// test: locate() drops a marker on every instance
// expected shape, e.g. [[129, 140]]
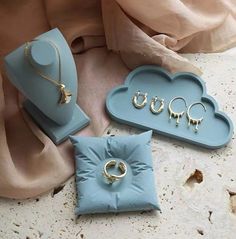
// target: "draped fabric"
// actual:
[[108, 38]]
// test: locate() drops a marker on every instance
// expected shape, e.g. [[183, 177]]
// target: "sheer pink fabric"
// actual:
[[107, 38]]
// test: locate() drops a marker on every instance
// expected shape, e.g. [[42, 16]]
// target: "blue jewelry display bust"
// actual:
[[57, 120]]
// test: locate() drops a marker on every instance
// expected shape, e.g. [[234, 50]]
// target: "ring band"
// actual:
[[113, 177]]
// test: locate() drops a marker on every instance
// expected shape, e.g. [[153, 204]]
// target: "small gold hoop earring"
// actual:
[[135, 100], [153, 103], [192, 120], [176, 115]]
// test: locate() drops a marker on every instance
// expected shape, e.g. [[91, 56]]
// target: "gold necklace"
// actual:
[[65, 95]]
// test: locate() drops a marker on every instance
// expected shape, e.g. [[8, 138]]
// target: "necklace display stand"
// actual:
[[57, 120]]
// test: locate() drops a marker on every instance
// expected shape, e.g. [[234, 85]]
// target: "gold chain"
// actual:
[[65, 94]]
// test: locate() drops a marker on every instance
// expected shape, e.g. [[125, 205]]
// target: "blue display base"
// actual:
[[135, 192], [216, 129], [57, 133]]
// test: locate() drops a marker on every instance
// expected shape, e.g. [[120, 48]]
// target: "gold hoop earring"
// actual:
[[192, 120], [153, 103], [135, 100], [176, 115]]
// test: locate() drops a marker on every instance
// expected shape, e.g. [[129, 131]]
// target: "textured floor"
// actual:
[[196, 187]]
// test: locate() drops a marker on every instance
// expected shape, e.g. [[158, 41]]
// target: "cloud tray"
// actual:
[[216, 129]]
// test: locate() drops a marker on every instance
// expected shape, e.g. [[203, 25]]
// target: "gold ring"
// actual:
[[112, 177]]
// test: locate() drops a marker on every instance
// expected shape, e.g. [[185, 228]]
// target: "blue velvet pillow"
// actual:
[[136, 191]]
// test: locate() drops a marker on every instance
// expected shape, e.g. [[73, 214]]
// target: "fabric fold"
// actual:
[[135, 46], [80, 21]]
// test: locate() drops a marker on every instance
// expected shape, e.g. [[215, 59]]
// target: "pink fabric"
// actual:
[[108, 38]]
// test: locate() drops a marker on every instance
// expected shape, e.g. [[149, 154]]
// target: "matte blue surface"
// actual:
[[216, 129], [43, 94], [136, 191], [42, 53], [57, 133]]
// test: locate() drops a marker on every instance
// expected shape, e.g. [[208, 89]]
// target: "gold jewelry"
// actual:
[[152, 105], [112, 177], [174, 114], [65, 95], [135, 100], [192, 120]]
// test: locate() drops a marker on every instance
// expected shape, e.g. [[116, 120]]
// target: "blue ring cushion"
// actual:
[[136, 191]]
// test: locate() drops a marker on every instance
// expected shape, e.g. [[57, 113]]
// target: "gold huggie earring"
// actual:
[[194, 121], [176, 115], [135, 100], [152, 106]]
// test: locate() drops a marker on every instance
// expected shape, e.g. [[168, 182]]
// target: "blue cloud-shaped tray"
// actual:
[[216, 129]]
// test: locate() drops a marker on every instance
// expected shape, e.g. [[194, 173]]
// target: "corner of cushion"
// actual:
[[156, 207], [77, 211], [147, 136], [148, 133], [154, 202], [73, 139]]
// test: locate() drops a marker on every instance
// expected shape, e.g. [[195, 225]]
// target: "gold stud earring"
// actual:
[[153, 103], [192, 120], [135, 100], [176, 115]]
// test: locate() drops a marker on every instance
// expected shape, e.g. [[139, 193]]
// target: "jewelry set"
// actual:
[[139, 104], [139, 101]]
